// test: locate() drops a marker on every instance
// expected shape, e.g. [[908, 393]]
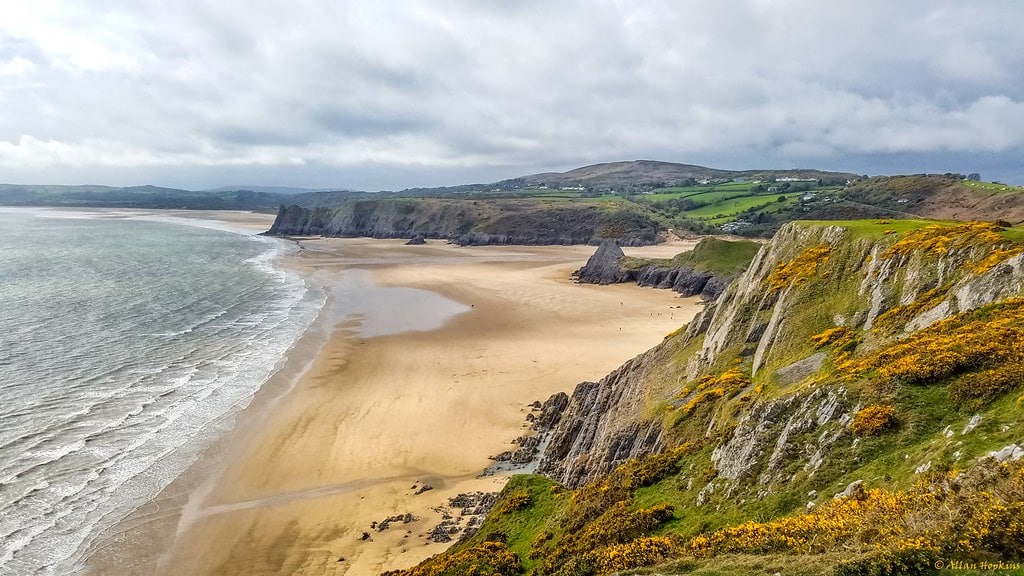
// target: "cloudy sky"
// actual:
[[389, 94]]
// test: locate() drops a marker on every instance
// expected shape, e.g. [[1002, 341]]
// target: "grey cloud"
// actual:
[[396, 94]]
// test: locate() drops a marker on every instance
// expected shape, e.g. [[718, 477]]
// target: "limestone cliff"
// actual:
[[469, 222], [809, 278]]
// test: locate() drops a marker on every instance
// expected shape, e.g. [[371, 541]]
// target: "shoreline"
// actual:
[[269, 498]]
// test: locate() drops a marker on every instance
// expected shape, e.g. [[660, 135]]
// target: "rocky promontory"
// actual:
[[706, 270]]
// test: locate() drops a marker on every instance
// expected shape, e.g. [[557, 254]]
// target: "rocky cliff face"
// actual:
[[472, 222], [602, 426], [808, 279], [686, 281]]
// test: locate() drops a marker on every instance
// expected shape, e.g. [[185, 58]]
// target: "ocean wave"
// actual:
[[133, 398]]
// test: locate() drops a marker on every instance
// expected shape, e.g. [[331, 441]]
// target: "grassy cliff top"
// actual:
[[875, 228], [720, 257]]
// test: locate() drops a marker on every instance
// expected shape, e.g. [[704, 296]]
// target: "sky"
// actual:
[[392, 94]]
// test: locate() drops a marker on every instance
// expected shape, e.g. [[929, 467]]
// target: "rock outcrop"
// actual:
[[705, 270], [602, 426], [686, 281], [771, 436], [603, 266]]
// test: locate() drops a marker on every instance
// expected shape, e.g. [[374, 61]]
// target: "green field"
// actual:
[[731, 189], [726, 209], [992, 186]]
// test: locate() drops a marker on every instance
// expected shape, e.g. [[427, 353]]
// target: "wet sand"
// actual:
[[360, 414]]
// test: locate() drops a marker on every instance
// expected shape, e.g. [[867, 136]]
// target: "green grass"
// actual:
[[521, 527], [673, 193], [1015, 234], [748, 564], [876, 228], [992, 186], [698, 192], [717, 256], [720, 257], [731, 207]]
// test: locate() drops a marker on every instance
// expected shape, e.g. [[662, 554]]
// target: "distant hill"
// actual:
[[283, 190], [136, 197], [944, 197], [752, 203], [639, 172]]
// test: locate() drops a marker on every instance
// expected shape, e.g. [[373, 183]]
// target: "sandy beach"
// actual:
[[355, 423]]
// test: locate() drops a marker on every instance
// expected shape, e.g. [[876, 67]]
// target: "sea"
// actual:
[[127, 345]]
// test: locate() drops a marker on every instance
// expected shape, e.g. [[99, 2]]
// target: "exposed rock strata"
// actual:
[[605, 424], [471, 223], [602, 427], [604, 267]]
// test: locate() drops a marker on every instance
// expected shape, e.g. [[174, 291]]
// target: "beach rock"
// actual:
[[416, 240], [550, 412], [424, 488], [403, 518], [472, 506], [603, 266]]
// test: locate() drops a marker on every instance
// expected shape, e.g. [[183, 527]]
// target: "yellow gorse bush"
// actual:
[[938, 240], [646, 551], [842, 340], [618, 525], [713, 387], [981, 510], [798, 270], [515, 500], [997, 255], [980, 353], [898, 316], [488, 559], [592, 500], [873, 419]]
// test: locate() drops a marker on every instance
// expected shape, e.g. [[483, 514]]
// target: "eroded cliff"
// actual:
[[470, 222]]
